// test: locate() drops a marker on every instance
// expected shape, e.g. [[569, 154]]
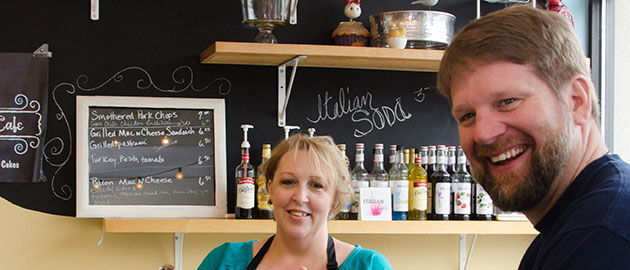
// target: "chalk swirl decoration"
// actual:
[[58, 150]]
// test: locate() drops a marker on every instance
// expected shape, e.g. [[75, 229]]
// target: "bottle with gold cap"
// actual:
[[264, 209]]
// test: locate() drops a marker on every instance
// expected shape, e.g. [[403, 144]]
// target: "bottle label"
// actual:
[[429, 198], [484, 205], [441, 160], [431, 159], [378, 157], [452, 160], [356, 186], [245, 193], [419, 199], [379, 184], [461, 197], [442, 198], [400, 190], [358, 158]]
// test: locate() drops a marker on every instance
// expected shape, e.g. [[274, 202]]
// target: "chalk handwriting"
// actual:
[[361, 110]]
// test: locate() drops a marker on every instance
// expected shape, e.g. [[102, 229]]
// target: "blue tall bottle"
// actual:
[[399, 184]]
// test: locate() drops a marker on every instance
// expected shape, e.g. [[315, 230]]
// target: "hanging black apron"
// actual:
[[332, 260]]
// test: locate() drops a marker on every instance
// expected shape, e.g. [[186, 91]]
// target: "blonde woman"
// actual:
[[308, 185]]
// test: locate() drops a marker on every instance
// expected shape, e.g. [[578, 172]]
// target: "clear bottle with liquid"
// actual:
[[360, 179], [392, 156], [378, 175]]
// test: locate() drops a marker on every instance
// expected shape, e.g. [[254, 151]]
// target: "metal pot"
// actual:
[[424, 29]]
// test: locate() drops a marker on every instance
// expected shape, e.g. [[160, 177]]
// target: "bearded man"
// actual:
[[528, 117]]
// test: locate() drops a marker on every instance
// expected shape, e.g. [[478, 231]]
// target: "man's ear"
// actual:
[[580, 99]]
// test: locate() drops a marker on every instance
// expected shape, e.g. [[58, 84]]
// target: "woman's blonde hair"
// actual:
[[521, 35], [324, 156]]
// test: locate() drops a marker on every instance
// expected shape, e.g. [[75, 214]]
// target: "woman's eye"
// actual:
[[287, 182], [317, 185], [465, 117]]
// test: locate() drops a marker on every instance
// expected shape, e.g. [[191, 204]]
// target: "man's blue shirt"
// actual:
[[589, 226]]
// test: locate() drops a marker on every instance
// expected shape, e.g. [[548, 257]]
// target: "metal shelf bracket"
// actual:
[[462, 252], [284, 93], [94, 10], [179, 249]]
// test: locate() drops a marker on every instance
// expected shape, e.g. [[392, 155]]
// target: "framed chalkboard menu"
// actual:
[[150, 157]]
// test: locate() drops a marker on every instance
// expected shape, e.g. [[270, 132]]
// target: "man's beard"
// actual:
[[535, 180]]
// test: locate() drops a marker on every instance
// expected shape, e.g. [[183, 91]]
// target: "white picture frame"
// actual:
[[85, 209]]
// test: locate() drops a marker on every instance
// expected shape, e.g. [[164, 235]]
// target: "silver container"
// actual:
[[424, 29]]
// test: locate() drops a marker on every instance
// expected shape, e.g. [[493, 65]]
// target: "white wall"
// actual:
[[621, 125]]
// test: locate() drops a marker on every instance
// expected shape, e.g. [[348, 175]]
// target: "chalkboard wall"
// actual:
[[151, 48]]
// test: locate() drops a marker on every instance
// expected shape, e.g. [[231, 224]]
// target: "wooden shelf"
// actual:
[[334, 227], [329, 56]]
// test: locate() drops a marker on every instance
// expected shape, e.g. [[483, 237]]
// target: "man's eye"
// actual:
[[507, 101]]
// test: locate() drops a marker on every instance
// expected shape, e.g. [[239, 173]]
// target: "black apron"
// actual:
[[332, 260]]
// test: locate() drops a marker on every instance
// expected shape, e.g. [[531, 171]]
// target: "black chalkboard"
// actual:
[[131, 152], [151, 48]]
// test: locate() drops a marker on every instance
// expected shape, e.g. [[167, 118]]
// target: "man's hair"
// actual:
[[324, 157], [522, 35]]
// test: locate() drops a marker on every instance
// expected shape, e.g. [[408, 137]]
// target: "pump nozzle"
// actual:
[[311, 132], [245, 127], [287, 129]]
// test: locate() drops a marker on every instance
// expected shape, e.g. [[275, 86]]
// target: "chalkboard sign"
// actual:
[[150, 157]]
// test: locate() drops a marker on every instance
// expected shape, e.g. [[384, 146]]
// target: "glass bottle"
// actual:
[[412, 158], [378, 175], [399, 184], [264, 208], [430, 168], [245, 188], [441, 181], [424, 151], [360, 179], [462, 189], [483, 206], [451, 156], [344, 214], [392, 155], [417, 191]]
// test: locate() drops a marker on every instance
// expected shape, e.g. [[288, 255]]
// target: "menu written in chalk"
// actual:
[[135, 155]]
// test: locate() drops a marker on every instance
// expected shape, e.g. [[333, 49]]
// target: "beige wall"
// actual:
[[33, 240]]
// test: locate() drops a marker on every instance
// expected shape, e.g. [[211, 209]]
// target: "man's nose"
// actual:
[[488, 127]]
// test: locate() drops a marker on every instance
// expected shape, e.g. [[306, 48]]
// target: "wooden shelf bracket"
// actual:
[[284, 93]]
